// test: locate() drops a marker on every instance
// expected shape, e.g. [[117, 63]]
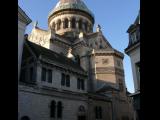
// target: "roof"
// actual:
[[71, 4], [135, 24], [53, 56], [137, 21], [23, 16]]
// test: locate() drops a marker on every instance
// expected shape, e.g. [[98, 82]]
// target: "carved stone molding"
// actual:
[[71, 12], [109, 70]]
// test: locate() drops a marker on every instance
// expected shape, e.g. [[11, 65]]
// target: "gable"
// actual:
[[99, 42], [27, 56]]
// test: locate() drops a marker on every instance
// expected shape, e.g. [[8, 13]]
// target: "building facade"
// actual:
[[133, 50], [23, 21], [69, 72]]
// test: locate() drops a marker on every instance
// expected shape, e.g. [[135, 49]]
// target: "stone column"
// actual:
[[69, 23], [92, 71], [56, 26], [63, 24], [77, 25]]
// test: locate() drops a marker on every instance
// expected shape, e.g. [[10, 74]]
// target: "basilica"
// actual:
[[70, 72]]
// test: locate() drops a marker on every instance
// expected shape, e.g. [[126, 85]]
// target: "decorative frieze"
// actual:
[[109, 70], [108, 53]]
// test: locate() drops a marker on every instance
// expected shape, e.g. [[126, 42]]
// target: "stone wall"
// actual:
[[135, 58], [37, 106], [21, 31]]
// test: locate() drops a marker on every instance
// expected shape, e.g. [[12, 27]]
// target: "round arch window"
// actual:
[[81, 109], [25, 118]]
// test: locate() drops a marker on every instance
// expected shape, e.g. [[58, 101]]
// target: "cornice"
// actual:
[[108, 53], [132, 47], [69, 11], [23, 17], [62, 67]]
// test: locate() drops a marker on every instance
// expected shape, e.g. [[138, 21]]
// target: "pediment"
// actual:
[[98, 41]]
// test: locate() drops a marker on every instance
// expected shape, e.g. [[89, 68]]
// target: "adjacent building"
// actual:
[[23, 21], [133, 50], [69, 72]]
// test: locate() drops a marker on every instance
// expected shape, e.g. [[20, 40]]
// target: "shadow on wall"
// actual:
[[103, 85], [25, 118]]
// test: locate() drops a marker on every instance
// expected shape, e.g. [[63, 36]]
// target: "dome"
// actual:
[[71, 4]]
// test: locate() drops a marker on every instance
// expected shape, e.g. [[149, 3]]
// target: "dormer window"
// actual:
[[133, 38]]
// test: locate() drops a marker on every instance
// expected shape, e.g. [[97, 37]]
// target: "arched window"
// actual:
[[67, 81], [53, 109], [125, 118], [77, 59], [53, 25], [73, 23], [81, 109], [90, 28], [59, 109], [25, 118], [100, 46], [59, 24], [86, 26], [80, 24], [98, 112], [91, 45], [66, 23]]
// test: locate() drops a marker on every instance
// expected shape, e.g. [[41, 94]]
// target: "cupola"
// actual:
[[70, 16]]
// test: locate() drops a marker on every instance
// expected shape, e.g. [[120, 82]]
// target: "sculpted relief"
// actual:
[[105, 61]]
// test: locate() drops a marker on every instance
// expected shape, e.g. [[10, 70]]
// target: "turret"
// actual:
[[69, 17]]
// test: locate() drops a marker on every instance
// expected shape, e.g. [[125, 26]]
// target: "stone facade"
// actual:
[[133, 50], [74, 66], [23, 21]]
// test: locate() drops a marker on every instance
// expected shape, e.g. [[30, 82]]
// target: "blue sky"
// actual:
[[114, 16]]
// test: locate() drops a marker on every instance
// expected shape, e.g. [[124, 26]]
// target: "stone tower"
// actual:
[[70, 17], [70, 26], [70, 34]]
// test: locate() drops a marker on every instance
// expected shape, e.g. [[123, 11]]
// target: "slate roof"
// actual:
[[53, 56], [137, 21], [135, 24]]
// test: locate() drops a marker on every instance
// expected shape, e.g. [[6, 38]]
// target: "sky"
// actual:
[[114, 17]]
